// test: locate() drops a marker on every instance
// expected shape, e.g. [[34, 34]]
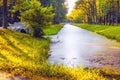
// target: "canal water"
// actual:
[[74, 46]]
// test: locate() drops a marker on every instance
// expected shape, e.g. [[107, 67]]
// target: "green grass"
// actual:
[[112, 32], [21, 54], [53, 29]]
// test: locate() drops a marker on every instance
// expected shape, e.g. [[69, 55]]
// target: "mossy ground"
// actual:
[[21, 54]]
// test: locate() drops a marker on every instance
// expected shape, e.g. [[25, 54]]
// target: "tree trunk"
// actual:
[[37, 32], [10, 14], [96, 15], [104, 20], [100, 20], [5, 22], [117, 11], [112, 12], [92, 10]]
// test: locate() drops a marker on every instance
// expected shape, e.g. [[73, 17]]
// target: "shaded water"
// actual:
[[74, 46]]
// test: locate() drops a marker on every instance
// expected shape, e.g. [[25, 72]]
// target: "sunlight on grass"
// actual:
[[111, 32], [20, 54], [53, 29]]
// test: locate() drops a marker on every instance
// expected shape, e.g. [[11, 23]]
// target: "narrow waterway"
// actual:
[[74, 46]]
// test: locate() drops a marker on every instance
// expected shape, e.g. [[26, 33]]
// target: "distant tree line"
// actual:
[[59, 9], [105, 12], [36, 13]]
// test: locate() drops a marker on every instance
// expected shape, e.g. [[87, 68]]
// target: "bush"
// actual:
[[36, 16]]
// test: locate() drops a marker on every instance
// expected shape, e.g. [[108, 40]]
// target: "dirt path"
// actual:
[[5, 76]]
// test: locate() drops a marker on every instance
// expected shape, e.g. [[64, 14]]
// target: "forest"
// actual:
[[84, 45], [44, 12], [105, 12]]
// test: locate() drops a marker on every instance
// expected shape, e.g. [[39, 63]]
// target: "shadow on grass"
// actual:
[[16, 48], [111, 76], [18, 37], [3, 57]]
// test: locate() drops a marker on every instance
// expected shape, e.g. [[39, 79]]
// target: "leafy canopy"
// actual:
[[36, 15], [33, 14]]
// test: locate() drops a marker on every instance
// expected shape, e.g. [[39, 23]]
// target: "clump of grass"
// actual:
[[111, 32], [21, 54]]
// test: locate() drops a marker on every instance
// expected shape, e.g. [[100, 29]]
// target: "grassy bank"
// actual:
[[111, 32], [53, 29], [20, 54]]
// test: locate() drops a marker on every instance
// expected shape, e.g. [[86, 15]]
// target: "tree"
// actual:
[[76, 16], [5, 23], [88, 9], [5, 7], [99, 11], [1, 2], [45, 3], [34, 15], [59, 9], [117, 11]]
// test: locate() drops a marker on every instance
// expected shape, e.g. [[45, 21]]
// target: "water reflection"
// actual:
[[74, 46]]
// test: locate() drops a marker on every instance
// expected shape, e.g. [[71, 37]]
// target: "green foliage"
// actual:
[[104, 7], [97, 11], [75, 16], [111, 32], [45, 3], [35, 15], [59, 9]]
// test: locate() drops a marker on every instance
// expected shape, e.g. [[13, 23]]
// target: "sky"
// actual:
[[71, 4]]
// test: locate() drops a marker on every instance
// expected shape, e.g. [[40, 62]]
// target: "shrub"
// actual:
[[35, 15]]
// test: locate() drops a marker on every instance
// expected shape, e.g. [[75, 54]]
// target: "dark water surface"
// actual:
[[74, 46]]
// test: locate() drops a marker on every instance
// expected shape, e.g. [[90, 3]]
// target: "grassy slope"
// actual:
[[112, 32], [23, 55]]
